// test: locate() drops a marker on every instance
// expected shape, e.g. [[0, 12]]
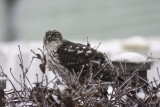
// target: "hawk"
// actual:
[[73, 56]]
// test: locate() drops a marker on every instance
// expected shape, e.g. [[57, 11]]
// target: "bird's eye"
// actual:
[[56, 35], [52, 34]]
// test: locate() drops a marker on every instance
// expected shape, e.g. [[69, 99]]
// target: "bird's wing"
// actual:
[[74, 55]]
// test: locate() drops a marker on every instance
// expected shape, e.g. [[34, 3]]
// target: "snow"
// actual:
[[56, 99], [70, 50], [27, 104], [70, 46], [124, 97], [110, 89], [84, 47], [131, 57], [140, 95], [88, 52], [79, 51], [77, 47], [158, 94], [97, 62]]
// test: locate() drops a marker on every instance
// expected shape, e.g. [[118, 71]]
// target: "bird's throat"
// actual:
[[52, 46]]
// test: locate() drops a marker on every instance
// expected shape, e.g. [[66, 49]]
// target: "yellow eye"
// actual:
[[56, 35]]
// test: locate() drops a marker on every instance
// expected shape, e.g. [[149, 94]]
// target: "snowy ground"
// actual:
[[9, 59]]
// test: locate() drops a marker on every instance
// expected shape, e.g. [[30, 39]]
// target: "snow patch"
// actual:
[[70, 50], [110, 89], [84, 47], [97, 62], [158, 94], [80, 51], [141, 95], [77, 47], [70, 46], [88, 52], [56, 99]]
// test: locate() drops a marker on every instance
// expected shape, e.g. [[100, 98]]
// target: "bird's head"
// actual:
[[53, 36], [52, 40]]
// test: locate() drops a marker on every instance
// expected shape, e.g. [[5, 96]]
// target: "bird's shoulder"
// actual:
[[79, 51]]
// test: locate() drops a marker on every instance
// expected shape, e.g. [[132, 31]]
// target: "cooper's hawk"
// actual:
[[73, 56]]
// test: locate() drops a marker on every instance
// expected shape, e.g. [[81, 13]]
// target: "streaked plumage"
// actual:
[[72, 56]]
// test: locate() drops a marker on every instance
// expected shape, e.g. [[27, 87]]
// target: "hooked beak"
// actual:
[[48, 38]]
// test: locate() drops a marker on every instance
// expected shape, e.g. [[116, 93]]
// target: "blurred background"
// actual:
[[29, 19], [120, 26]]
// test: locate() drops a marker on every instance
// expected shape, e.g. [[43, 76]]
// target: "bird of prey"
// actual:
[[73, 56]]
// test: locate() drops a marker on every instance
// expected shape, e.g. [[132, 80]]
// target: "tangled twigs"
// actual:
[[42, 58], [80, 91]]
